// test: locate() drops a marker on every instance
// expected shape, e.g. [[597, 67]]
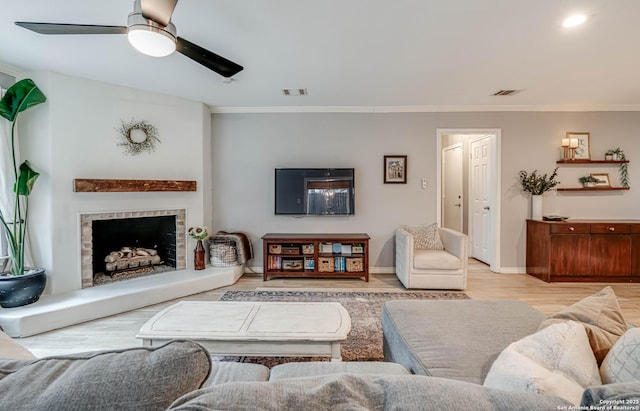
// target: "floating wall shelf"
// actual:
[[582, 162], [592, 188], [88, 185]]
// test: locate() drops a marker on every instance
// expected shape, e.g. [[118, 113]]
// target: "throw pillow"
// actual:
[[145, 378], [601, 316], [622, 363], [425, 237], [555, 361]]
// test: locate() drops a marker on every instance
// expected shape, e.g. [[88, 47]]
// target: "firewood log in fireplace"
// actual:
[[131, 257]]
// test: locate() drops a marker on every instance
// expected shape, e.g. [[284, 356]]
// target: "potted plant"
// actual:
[[19, 285], [618, 155], [537, 184], [588, 181], [608, 156]]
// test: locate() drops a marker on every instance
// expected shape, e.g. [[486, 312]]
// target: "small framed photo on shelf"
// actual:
[[579, 144], [603, 179], [395, 169]]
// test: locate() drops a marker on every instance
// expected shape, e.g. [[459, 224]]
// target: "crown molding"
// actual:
[[412, 109]]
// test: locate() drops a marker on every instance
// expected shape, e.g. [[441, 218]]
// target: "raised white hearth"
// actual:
[[61, 310]]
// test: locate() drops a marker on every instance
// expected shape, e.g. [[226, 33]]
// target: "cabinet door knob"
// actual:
[[571, 228], [611, 228]]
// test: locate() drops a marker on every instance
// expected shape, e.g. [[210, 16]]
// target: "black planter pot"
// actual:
[[16, 291]]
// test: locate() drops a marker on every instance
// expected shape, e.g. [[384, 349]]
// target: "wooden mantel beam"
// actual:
[[89, 185]]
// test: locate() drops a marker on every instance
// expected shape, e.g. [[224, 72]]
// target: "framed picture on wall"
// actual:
[[603, 179], [579, 141], [395, 169]]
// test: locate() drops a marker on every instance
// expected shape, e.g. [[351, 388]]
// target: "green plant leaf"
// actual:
[[19, 97], [26, 179]]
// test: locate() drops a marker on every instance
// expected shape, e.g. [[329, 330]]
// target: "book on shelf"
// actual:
[[274, 262], [339, 264], [309, 263], [326, 248]]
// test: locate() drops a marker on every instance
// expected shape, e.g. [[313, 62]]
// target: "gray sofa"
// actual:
[[450, 345]]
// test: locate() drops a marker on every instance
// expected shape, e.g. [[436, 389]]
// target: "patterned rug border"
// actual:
[[364, 342]]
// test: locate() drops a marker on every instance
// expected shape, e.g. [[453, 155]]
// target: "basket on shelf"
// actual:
[[223, 252], [325, 264]]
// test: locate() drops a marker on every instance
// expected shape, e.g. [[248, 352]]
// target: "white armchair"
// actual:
[[433, 269]]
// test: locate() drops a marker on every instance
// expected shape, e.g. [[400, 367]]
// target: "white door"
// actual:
[[481, 230], [452, 202]]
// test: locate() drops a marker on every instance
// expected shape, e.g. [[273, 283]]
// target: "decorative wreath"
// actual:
[[131, 145]]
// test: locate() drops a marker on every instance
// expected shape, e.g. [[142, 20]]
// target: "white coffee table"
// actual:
[[274, 329]]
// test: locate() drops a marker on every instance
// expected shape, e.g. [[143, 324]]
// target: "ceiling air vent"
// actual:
[[506, 92], [294, 91]]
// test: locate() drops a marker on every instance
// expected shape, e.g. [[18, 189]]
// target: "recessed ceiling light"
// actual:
[[575, 20]]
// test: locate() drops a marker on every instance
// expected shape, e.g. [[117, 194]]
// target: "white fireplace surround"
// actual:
[[86, 236]]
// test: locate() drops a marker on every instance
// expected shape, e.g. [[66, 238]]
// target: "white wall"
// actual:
[[247, 147], [74, 135]]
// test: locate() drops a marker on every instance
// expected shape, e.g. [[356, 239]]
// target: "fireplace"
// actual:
[[123, 245]]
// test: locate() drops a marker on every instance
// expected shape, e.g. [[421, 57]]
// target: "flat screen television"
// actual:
[[314, 191]]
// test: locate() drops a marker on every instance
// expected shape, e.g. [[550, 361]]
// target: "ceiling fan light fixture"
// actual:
[[149, 37]]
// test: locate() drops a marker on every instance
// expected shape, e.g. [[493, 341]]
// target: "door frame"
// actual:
[[495, 263]]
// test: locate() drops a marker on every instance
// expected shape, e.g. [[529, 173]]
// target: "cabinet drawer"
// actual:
[[568, 228], [609, 228]]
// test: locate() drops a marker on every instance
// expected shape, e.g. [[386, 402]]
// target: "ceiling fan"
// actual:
[[150, 30]]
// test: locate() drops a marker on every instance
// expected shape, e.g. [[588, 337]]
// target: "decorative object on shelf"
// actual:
[[137, 137], [588, 181], [537, 185], [566, 142], [608, 156], [618, 155], [19, 285], [199, 234], [603, 179], [579, 145], [395, 169]]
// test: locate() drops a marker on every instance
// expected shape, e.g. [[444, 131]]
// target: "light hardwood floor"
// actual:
[[119, 331]]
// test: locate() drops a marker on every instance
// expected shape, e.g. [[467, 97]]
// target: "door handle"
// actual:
[[486, 207], [457, 205]]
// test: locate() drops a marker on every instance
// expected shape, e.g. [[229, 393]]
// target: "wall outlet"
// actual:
[[424, 182]]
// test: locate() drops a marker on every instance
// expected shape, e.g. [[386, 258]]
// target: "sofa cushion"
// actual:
[[622, 363], [222, 372], [456, 339], [425, 236], [363, 392], [601, 316], [145, 378], [435, 260], [308, 369], [556, 360]]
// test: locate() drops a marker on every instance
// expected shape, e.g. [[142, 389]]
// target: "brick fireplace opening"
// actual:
[[123, 245]]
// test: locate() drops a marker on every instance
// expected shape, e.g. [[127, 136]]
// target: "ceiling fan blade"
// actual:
[[212, 61], [159, 11], [56, 28]]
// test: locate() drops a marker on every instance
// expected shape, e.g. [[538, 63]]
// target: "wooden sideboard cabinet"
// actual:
[[584, 250]]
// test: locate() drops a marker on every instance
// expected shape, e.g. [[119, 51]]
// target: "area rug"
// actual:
[[364, 342]]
